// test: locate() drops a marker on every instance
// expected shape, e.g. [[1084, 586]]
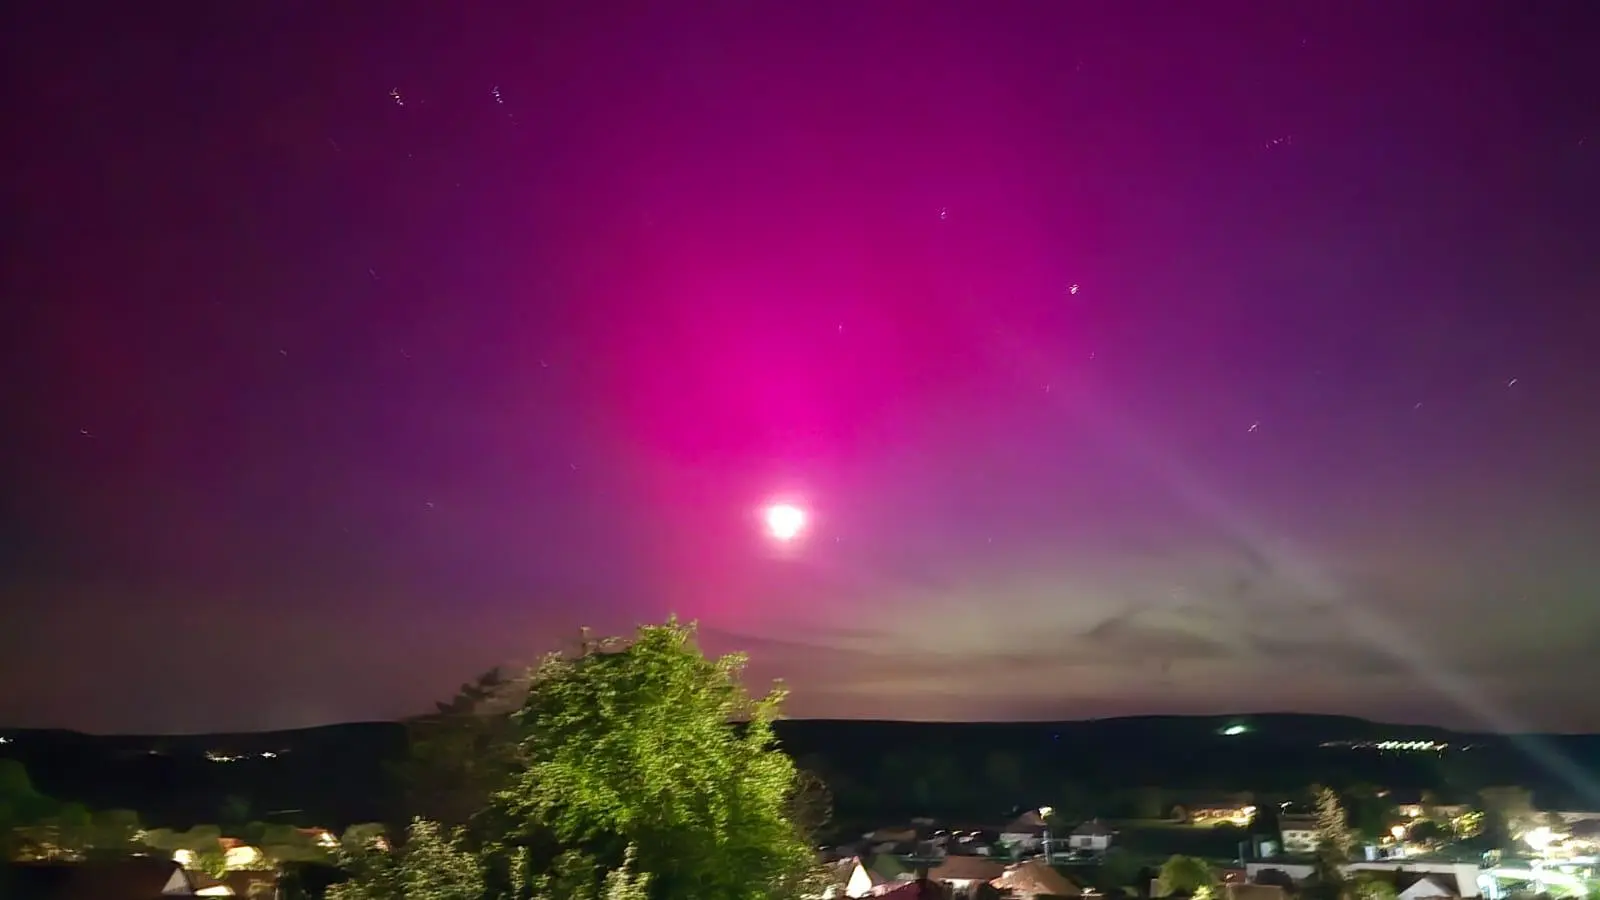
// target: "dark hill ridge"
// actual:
[[1297, 726], [338, 774]]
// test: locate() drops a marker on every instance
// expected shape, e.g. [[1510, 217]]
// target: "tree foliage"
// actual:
[[1185, 875], [1373, 886], [1276, 878], [1118, 870], [1369, 813], [462, 753], [651, 745], [1333, 831], [283, 844], [432, 864], [1427, 831], [36, 826], [1334, 843], [810, 804], [211, 860], [114, 830], [623, 883], [21, 807]]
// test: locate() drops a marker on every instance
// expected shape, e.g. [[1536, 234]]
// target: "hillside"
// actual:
[[340, 773]]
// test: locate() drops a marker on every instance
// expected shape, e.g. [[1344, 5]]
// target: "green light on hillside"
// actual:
[[1235, 730]]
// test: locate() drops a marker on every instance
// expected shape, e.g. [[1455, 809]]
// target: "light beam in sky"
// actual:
[[785, 521]]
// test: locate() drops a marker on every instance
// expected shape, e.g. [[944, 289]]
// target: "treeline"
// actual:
[[33, 823], [327, 777], [37, 827]]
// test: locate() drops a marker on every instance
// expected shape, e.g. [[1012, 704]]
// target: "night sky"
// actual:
[[1127, 358]]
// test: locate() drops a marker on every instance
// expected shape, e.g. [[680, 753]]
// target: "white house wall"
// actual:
[[1465, 874]]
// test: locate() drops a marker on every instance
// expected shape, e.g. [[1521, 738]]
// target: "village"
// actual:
[[1228, 846]]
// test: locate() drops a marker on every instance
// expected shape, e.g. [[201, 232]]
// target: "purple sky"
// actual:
[[346, 357]]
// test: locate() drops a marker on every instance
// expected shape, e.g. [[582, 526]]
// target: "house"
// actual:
[[246, 883], [1276, 872], [1200, 809], [1299, 834], [1461, 878], [1430, 887], [964, 873], [1033, 879], [1092, 836], [239, 855], [1026, 832], [887, 872], [848, 878], [920, 889], [1442, 812], [1415, 885], [891, 840], [1452, 879], [137, 878]]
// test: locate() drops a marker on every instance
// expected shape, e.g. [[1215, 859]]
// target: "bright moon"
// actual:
[[785, 521]]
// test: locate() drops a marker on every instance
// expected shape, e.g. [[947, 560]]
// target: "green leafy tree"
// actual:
[[363, 837], [21, 807], [1266, 822], [113, 833], [1505, 809], [1333, 831], [810, 804], [1373, 886], [1187, 876], [463, 752], [1118, 869], [654, 746], [202, 845], [1427, 831], [623, 884], [212, 861], [283, 844], [1370, 813], [1334, 843], [72, 829], [432, 864], [160, 840], [1510, 801], [63, 833]]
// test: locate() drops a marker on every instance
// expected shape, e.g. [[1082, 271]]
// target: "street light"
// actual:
[[1044, 816]]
